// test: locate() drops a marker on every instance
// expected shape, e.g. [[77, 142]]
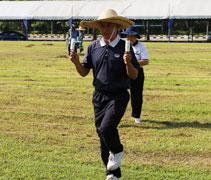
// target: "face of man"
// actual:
[[106, 30], [132, 38]]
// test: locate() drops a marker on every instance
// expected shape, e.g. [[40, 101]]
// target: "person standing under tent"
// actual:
[[72, 34], [80, 38], [137, 85], [112, 70]]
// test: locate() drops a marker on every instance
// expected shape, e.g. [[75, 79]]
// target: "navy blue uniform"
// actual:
[[110, 97]]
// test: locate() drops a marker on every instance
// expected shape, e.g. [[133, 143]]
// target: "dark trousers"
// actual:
[[109, 108], [136, 92]]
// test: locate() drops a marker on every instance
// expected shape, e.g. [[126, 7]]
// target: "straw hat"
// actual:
[[81, 28], [110, 16]]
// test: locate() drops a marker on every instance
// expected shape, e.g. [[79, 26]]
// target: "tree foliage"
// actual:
[[179, 27]]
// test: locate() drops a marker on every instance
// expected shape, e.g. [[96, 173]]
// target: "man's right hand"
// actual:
[[74, 57]]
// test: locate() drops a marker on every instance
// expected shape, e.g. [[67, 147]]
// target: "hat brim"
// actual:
[[81, 29], [122, 22], [124, 34]]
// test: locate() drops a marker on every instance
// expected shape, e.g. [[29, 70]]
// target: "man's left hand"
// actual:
[[127, 57]]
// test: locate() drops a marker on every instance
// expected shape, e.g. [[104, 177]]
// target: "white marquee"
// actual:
[[133, 9]]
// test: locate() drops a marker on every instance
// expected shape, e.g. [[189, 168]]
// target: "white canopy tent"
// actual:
[[53, 10], [88, 9], [147, 9], [18, 10], [64, 10], [133, 9], [92, 9], [190, 9], [38, 10]]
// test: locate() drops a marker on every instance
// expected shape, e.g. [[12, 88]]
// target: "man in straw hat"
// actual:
[[112, 70]]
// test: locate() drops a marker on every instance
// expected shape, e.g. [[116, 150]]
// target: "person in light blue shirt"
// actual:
[[72, 34], [81, 32]]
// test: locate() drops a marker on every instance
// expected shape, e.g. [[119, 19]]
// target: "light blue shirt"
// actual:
[[72, 35]]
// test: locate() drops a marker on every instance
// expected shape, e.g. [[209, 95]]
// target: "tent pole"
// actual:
[[162, 27], [26, 26], [94, 34], [51, 27], [170, 22], [148, 30], [34, 26], [207, 29], [63, 22], [188, 28], [70, 22]]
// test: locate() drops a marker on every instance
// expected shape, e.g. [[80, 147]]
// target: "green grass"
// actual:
[[47, 126]]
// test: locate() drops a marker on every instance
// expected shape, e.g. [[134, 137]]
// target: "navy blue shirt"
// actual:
[[109, 69]]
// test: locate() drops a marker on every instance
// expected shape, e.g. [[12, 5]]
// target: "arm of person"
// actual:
[[143, 62], [143, 59], [67, 37], [132, 72], [79, 67]]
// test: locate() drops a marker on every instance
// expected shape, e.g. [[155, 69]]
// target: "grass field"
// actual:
[[47, 126]]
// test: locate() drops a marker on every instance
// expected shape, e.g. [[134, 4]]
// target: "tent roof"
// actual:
[[132, 9], [190, 9], [18, 10], [92, 9], [148, 9], [39, 10]]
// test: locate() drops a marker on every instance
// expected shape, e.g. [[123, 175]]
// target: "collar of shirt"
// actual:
[[112, 44], [135, 43]]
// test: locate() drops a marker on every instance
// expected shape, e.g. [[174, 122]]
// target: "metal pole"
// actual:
[[170, 22], [26, 25], [51, 27]]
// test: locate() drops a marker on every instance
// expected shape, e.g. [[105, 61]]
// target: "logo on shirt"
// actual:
[[116, 55], [137, 52]]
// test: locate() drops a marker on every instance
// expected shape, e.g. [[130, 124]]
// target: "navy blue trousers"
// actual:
[[136, 92], [109, 108]]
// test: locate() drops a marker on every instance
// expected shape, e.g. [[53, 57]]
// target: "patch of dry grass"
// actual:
[[46, 115]]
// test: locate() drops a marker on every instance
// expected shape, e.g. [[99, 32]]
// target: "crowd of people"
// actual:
[[115, 71]]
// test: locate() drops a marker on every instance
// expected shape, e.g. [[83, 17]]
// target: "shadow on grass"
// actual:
[[155, 124]]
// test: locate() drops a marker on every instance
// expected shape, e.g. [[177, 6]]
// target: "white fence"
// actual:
[[60, 37]]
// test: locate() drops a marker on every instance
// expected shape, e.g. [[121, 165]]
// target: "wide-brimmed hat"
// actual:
[[132, 30], [110, 16], [81, 28]]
